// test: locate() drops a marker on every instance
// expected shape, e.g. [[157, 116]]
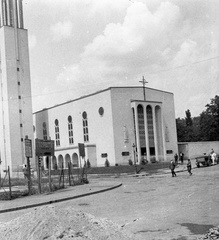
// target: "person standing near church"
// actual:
[[189, 167], [176, 158], [181, 155], [172, 168]]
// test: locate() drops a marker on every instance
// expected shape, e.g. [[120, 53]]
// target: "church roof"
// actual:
[[95, 93]]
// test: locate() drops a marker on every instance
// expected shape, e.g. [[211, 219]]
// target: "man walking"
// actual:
[[189, 167], [172, 167]]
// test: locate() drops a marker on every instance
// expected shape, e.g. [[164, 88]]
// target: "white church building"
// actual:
[[117, 123]]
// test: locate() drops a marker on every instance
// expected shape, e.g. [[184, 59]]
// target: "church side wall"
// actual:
[[123, 121], [99, 127], [169, 122]]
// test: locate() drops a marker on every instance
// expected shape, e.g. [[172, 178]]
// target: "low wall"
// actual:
[[194, 149]]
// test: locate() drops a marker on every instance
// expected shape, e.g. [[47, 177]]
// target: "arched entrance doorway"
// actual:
[[67, 160], [75, 160], [54, 163], [60, 162]]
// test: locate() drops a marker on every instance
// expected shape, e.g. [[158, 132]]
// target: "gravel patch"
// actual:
[[212, 234], [50, 223]]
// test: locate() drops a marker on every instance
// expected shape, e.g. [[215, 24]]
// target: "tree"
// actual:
[[186, 132], [202, 128], [181, 130], [209, 121], [188, 118]]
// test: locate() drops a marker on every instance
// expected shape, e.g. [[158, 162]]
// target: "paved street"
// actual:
[[156, 206], [161, 207]]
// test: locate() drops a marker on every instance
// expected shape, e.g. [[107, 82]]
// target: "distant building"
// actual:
[[16, 119], [115, 124]]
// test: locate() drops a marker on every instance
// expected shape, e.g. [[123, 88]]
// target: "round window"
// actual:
[[84, 115], [101, 111], [69, 119], [56, 122]]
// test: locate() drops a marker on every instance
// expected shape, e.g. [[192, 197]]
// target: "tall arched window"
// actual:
[[150, 130], [85, 127], [57, 136], [141, 126], [70, 130], [44, 131]]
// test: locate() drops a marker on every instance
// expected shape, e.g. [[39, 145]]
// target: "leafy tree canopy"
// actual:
[[202, 128]]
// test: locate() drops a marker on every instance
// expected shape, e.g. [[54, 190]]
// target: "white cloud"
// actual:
[[120, 41], [61, 30], [32, 41], [186, 53], [130, 47]]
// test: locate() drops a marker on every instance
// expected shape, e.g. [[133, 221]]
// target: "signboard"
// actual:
[[81, 150], [44, 147], [28, 148]]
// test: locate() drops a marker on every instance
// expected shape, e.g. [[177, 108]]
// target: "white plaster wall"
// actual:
[[195, 149], [14, 154], [105, 132], [99, 127], [122, 115]]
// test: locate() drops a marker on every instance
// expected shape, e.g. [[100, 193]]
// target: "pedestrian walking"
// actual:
[[176, 158], [172, 168], [25, 171], [189, 167]]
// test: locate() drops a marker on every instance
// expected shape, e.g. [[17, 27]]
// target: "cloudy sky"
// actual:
[[81, 46]]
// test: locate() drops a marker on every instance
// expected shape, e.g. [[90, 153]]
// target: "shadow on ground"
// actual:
[[197, 228]]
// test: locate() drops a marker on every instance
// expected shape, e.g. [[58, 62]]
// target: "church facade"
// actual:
[[119, 124]]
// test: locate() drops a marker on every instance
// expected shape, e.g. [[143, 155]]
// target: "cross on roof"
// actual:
[[143, 83]]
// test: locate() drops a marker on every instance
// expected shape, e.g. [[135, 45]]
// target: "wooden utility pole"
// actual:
[[143, 83], [29, 175], [39, 173], [50, 186], [9, 181]]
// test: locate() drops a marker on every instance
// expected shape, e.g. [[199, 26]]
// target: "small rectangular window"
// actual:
[[104, 155], [169, 151], [125, 153]]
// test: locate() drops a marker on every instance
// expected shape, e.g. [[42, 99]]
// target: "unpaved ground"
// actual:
[[156, 207], [52, 223]]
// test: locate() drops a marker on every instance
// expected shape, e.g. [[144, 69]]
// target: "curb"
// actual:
[[58, 200]]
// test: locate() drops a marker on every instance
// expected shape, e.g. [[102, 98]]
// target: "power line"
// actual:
[[165, 70], [186, 65]]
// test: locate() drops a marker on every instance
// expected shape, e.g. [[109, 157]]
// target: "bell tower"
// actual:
[[16, 120]]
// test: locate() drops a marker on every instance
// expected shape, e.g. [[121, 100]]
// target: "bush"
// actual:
[[144, 161], [88, 163], [107, 164], [130, 162]]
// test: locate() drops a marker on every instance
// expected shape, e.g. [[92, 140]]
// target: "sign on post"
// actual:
[[28, 148], [44, 147], [81, 150]]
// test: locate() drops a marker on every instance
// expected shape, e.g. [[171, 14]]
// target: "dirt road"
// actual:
[[157, 206]]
